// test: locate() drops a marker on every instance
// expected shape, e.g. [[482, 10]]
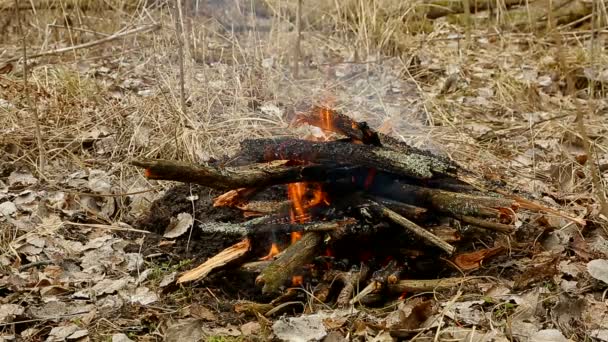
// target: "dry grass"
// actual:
[[504, 104]]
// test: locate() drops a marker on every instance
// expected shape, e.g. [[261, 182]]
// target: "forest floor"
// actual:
[[526, 108]]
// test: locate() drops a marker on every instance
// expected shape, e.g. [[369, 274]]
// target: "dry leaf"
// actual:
[[472, 261], [598, 269], [178, 226]]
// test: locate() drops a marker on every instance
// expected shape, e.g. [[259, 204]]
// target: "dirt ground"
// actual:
[[83, 255]]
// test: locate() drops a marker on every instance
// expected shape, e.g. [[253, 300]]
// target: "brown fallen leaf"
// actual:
[[472, 261], [6, 68]]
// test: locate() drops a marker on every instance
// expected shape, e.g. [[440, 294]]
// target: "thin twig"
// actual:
[[32, 104], [180, 52], [296, 49], [107, 226], [141, 29]]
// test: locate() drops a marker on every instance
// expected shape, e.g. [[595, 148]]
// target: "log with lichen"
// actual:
[[332, 153], [289, 263]]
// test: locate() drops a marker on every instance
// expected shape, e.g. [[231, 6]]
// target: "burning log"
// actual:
[[359, 132], [415, 165], [290, 262]]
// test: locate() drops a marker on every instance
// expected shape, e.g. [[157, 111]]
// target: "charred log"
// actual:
[[415, 165]]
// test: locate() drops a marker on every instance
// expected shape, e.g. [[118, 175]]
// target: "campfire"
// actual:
[[364, 214]]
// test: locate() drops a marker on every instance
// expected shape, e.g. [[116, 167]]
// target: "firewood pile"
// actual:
[[365, 215]]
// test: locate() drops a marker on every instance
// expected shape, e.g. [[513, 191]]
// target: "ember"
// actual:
[[364, 210]]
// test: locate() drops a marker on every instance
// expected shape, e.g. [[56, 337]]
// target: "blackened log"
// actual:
[[415, 165], [224, 178], [289, 263]]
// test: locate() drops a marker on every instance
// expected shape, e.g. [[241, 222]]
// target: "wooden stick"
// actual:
[[289, 263], [412, 227], [262, 225], [118, 35], [350, 280], [32, 102], [423, 285], [495, 226], [226, 256], [406, 210], [296, 48], [371, 287], [537, 207], [224, 178]]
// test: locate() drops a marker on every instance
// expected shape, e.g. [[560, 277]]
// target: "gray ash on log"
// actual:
[[364, 209]]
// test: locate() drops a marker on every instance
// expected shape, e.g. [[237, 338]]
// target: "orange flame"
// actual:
[[297, 280], [296, 192], [326, 123], [300, 204], [274, 250], [295, 236]]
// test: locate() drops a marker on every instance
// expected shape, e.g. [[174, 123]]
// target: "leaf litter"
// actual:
[[483, 107]]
